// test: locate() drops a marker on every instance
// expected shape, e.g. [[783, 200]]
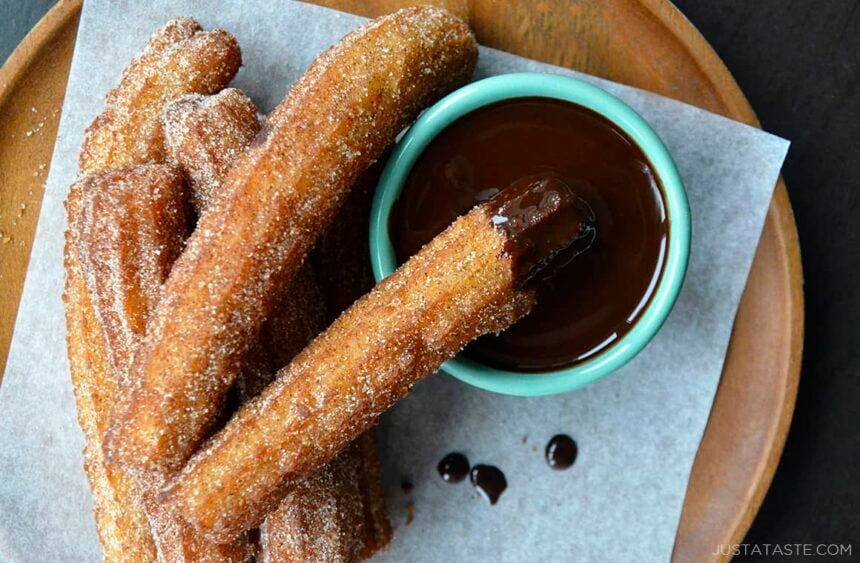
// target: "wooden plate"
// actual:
[[644, 43]]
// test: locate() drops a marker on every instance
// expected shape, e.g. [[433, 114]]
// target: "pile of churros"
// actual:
[[224, 420]]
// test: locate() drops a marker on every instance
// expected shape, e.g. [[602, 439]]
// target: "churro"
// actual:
[[341, 259], [338, 514], [279, 198], [205, 134], [178, 59], [469, 281], [128, 226], [121, 521], [132, 227]]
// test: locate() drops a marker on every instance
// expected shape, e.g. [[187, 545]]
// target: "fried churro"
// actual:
[[341, 259], [339, 513], [467, 282], [178, 59], [132, 227], [336, 514], [205, 134], [121, 521], [279, 197]]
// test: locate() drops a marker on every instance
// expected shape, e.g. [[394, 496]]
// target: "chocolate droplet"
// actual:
[[490, 482], [453, 468], [561, 451]]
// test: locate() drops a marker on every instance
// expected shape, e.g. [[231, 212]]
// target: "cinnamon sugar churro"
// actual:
[[178, 59], [205, 134], [281, 195], [468, 281], [341, 258], [121, 521], [338, 514], [132, 227]]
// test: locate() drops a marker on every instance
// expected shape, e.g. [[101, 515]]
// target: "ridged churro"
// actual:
[[178, 59], [339, 513], [467, 282], [129, 225], [121, 520], [336, 514], [205, 134], [282, 194], [132, 227]]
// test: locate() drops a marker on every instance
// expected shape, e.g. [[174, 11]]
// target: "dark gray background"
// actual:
[[798, 61]]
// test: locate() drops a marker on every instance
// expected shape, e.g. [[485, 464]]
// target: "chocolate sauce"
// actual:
[[561, 452], [490, 482], [585, 304], [453, 468]]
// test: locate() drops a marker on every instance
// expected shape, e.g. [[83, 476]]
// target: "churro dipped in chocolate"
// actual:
[[178, 59], [470, 280], [278, 198], [338, 513]]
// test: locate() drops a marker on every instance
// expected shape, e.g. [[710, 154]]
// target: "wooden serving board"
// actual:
[[643, 43]]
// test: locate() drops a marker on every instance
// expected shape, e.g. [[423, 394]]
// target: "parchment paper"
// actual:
[[637, 430]]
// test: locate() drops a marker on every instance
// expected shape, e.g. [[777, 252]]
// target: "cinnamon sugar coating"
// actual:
[[339, 513], [121, 520], [279, 197], [132, 227], [460, 286], [205, 134], [179, 59]]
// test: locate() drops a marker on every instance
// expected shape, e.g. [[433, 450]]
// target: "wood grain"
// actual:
[[32, 88], [644, 43]]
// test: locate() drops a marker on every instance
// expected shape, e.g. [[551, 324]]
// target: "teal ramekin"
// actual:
[[497, 88]]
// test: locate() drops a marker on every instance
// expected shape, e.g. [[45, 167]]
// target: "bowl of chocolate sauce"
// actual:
[[599, 304]]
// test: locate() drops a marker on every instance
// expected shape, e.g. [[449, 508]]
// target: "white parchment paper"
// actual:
[[637, 430]]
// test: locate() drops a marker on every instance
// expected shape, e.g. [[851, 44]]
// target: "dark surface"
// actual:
[[17, 17], [798, 61]]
